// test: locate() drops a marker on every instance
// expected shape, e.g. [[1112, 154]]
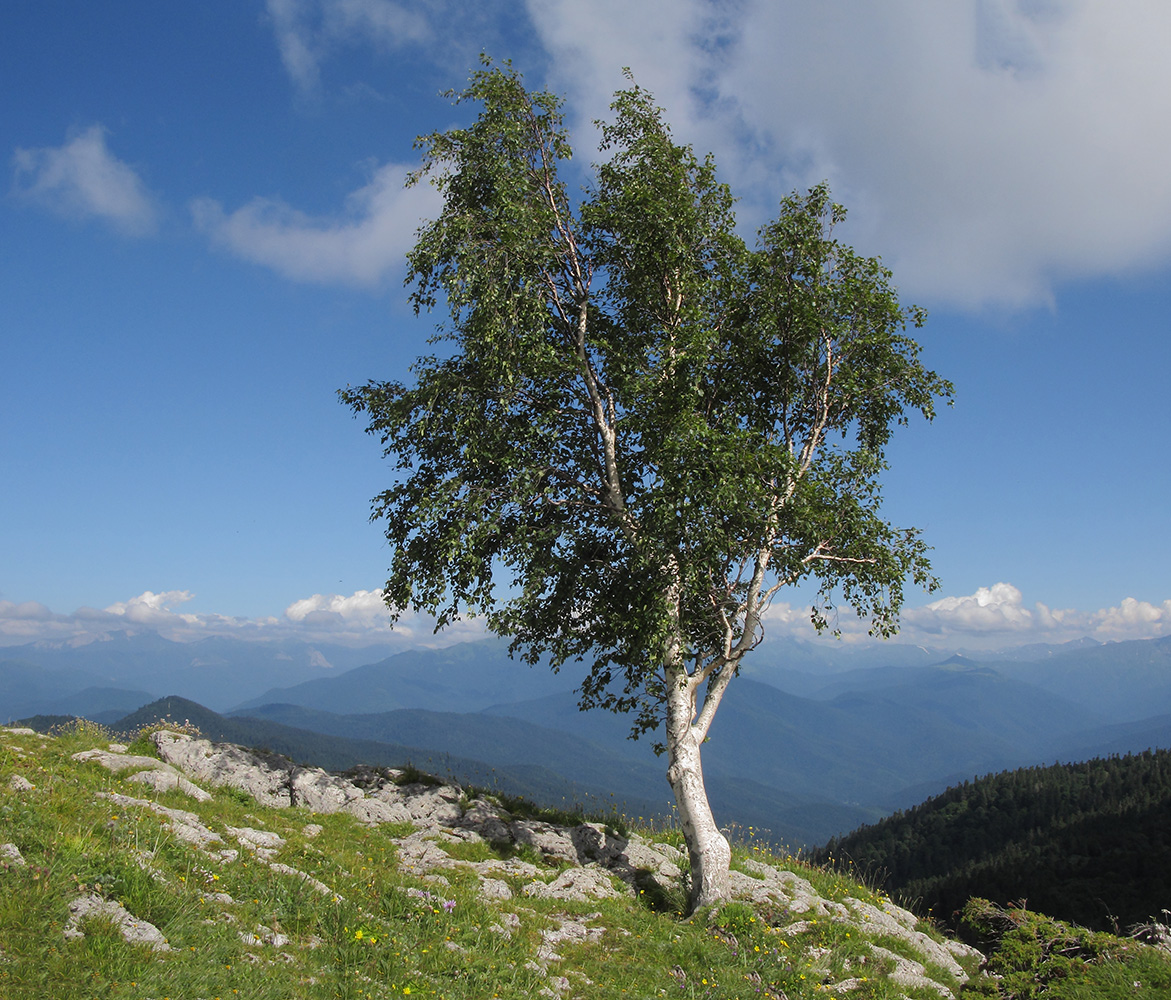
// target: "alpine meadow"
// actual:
[[636, 429]]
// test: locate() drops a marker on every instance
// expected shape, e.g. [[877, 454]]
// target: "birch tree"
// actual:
[[637, 429]]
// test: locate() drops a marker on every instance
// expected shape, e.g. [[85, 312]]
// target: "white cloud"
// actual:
[[364, 612], [361, 246], [362, 605], [149, 608], [1133, 619], [998, 614], [83, 179], [25, 611], [308, 30], [991, 609], [358, 619], [992, 618], [988, 149]]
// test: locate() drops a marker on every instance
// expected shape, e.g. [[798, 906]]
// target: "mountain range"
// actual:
[[804, 754]]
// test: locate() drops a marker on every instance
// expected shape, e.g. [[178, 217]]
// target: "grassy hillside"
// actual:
[[103, 898], [1088, 842]]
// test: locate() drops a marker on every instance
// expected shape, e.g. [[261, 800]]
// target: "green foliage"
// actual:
[[1089, 842], [1033, 956], [411, 775], [638, 428]]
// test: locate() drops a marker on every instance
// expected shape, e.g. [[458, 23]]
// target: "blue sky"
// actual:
[[203, 232]]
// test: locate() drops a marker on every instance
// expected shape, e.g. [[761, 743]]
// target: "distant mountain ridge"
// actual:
[[466, 677], [802, 755], [219, 671], [1126, 681]]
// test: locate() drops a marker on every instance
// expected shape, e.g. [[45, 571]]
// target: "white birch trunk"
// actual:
[[707, 848]]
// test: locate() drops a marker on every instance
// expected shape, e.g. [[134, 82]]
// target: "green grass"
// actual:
[[1034, 956], [379, 933]]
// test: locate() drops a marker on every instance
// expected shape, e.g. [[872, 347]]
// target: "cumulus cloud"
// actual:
[[993, 617], [991, 609], [365, 612], [308, 30], [361, 246], [987, 149], [358, 619], [1000, 614], [83, 179], [362, 605], [149, 608]]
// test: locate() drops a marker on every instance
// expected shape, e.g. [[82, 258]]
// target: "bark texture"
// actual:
[[708, 849]]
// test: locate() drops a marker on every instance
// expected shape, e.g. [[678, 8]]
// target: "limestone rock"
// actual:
[[418, 856], [494, 888], [376, 810], [552, 841], [264, 936], [185, 825], [114, 761], [308, 879], [10, 856], [267, 778], [321, 792], [165, 781], [133, 930], [899, 923], [570, 929], [787, 888], [488, 820], [159, 775], [910, 973], [577, 884], [277, 782], [263, 843], [437, 804]]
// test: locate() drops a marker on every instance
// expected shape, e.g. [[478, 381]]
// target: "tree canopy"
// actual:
[[636, 429]]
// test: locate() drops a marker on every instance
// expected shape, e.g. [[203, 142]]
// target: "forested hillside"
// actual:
[[1088, 842]]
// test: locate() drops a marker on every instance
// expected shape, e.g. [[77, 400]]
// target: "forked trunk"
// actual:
[[707, 848]]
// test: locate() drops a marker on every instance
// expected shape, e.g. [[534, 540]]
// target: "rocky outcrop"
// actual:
[[582, 863], [373, 795], [186, 826], [10, 856], [150, 771], [133, 930]]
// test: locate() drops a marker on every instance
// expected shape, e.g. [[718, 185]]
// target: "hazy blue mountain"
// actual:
[[461, 678], [219, 671], [28, 689], [826, 686], [1122, 681], [1034, 651], [779, 656], [804, 752], [1119, 738], [101, 704], [859, 748]]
